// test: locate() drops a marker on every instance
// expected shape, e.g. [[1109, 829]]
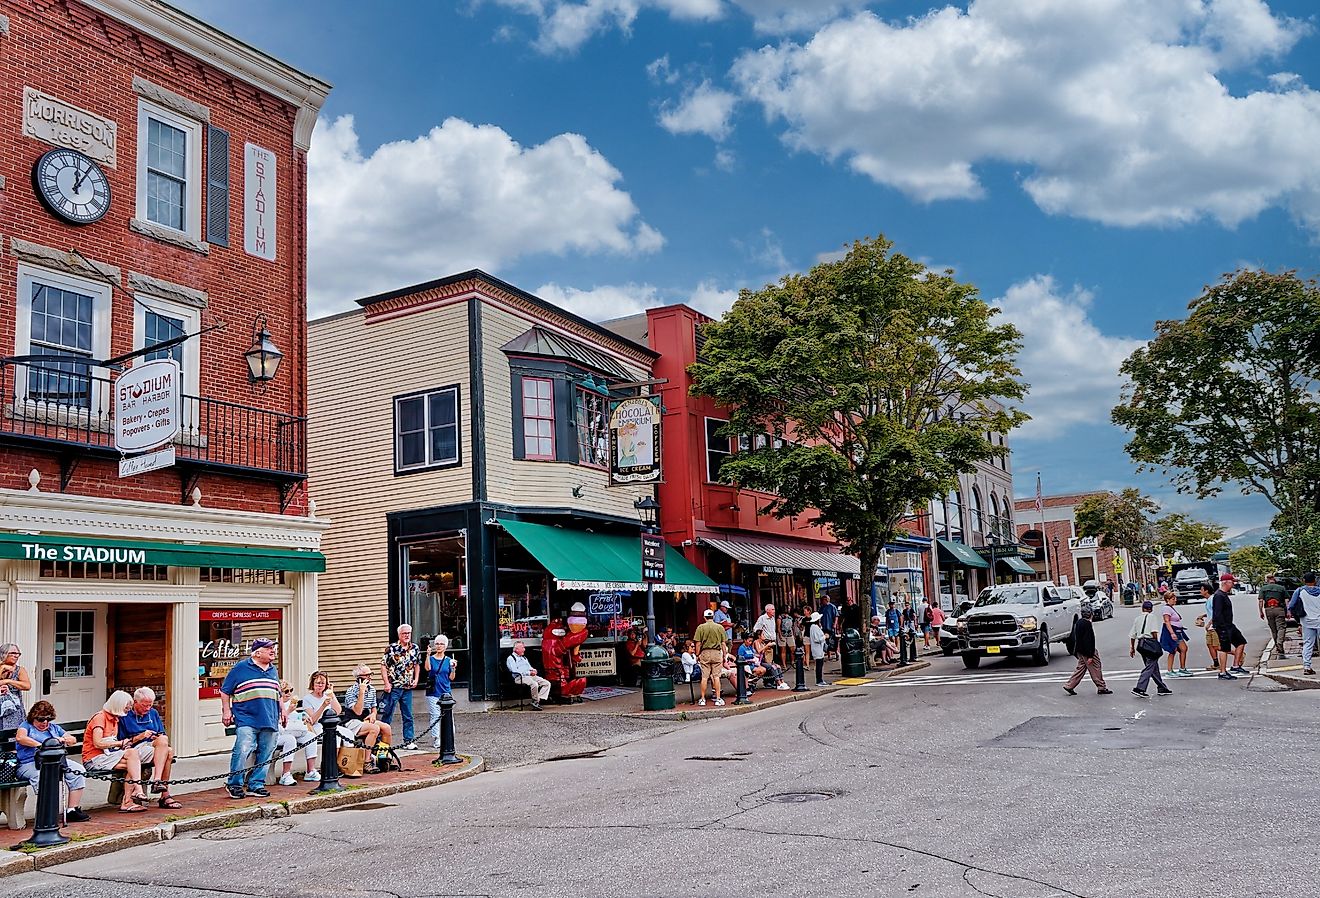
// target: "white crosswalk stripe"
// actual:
[[1029, 678]]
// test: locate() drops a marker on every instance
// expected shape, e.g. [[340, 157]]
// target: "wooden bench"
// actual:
[[511, 689], [13, 791]]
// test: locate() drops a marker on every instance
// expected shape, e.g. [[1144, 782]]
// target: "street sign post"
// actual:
[[653, 558]]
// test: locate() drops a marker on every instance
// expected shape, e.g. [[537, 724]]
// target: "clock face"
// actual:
[[72, 186]]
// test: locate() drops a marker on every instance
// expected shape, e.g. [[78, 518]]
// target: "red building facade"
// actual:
[[152, 191]]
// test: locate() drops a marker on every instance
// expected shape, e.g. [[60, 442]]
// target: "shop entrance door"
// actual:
[[71, 660]]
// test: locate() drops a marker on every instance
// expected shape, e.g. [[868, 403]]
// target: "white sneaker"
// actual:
[[410, 746], [783, 687], [288, 780], [312, 776], [702, 701], [719, 701]]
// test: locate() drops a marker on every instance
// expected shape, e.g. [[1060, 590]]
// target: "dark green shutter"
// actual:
[[217, 186]]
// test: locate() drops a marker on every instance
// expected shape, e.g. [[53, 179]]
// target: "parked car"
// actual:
[[949, 630], [1091, 595], [1188, 577], [1017, 619]]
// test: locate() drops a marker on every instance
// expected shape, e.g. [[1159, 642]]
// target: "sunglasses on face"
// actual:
[[42, 719]]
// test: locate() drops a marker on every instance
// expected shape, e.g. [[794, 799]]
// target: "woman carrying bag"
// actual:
[[816, 635], [1145, 638]]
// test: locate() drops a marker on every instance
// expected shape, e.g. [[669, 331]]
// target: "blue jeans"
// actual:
[[250, 741], [1310, 635], [433, 705], [385, 710]]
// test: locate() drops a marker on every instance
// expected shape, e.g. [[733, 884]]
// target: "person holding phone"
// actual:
[[142, 723], [40, 726], [315, 703], [360, 710], [442, 670]]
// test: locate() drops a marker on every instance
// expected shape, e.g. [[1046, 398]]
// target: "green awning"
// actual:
[[961, 554], [51, 547], [1017, 565], [601, 561]]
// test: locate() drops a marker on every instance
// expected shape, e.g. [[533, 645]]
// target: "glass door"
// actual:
[[71, 668], [437, 596]]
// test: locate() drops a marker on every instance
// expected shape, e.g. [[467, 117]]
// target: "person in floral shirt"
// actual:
[[398, 670]]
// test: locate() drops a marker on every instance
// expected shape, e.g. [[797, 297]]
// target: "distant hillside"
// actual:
[[1250, 537]]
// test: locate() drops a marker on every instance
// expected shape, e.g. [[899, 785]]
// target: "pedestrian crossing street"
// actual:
[[1057, 675]]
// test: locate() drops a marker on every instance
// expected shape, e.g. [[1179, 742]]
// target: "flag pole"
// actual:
[[1044, 538]]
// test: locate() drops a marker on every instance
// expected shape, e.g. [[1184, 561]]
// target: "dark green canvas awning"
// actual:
[[1017, 565], [960, 554], [51, 547], [601, 561]]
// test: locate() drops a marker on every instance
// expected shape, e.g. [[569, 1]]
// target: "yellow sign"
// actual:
[[1118, 565]]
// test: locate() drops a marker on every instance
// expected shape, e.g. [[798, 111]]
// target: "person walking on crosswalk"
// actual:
[[1145, 638], [1088, 657]]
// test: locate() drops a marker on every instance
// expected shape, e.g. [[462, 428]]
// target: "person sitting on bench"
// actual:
[[143, 723], [104, 750], [524, 674], [360, 710]]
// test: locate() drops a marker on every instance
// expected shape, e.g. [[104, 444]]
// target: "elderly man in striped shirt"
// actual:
[[250, 700]]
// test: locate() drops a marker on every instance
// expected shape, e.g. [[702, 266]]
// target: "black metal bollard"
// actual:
[[741, 698], [329, 753], [46, 826], [447, 755], [799, 654]]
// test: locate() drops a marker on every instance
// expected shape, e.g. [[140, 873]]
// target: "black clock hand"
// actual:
[[82, 176]]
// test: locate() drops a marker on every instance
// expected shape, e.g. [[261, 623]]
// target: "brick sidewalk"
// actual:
[[1287, 671]]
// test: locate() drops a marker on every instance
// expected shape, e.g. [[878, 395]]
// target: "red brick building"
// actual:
[[1072, 559], [152, 189], [756, 558]]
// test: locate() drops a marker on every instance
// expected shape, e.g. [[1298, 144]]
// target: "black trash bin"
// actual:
[[657, 680], [853, 654]]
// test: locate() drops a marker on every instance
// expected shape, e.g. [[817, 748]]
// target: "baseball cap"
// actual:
[[708, 613], [1147, 605], [1224, 577], [262, 644], [724, 604]]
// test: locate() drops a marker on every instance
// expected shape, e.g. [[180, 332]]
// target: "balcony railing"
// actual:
[[63, 405]]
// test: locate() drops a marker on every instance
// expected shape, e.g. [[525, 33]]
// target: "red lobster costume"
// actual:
[[559, 654]]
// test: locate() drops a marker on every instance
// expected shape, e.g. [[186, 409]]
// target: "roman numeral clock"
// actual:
[[71, 186]]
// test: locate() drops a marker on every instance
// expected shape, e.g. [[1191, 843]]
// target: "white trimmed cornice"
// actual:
[[226, 53], [90, 516]]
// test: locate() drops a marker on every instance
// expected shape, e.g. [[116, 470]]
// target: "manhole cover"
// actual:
[[257, 830], [365, 806], [800, 797]]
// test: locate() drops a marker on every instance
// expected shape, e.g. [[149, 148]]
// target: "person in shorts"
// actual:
[[711, 651], [103, 750], [1232, 644]]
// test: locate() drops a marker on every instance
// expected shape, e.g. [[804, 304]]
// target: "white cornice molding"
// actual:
[[90, 516], [194, 37]]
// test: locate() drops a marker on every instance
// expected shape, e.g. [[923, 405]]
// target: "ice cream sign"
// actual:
[[635, 440], [147, 406]]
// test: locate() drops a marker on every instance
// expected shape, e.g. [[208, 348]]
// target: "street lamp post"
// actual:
[[648, 512], [1057, 569]]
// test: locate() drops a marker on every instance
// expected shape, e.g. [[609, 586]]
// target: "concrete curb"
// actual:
[[1289, 679], [692, 712], [17, 863]]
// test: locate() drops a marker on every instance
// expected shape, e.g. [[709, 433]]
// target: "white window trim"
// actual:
[[429, 462], [705, 438], [100, 293], [192, 320], [193, 187]]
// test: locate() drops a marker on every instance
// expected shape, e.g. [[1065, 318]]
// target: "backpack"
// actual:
[[386, 758]]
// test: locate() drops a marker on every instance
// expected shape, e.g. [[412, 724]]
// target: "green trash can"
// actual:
[[657, 680], [853, 654]]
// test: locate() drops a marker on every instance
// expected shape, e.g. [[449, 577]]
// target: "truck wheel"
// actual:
[[1042, 654], [971, 662], [948, 650]]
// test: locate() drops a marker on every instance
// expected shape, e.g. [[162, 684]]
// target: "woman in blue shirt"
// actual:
[[442, 669], [40, 726]]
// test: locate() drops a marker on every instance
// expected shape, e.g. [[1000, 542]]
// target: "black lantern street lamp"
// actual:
[[1058, 575], [264, 358], [648, 512]]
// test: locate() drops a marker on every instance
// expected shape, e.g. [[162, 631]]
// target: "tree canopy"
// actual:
[[865, 386], [1231, 394], [1119, 521], [1254, 563], [1195, 539]]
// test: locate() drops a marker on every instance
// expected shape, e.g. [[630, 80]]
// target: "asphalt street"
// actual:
[[985, 783]]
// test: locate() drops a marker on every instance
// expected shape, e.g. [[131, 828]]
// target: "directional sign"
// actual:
[[653, 558]]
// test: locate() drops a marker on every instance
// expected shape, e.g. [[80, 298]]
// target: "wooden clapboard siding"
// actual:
[[354, 371], [137, 655], [539, 484]]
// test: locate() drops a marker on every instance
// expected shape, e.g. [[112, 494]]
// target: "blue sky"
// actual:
[[1088, 164]]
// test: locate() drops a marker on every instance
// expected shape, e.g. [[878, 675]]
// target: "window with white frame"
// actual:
[[538, 413], [160, 320], [718, 449], [61, 315], [426, 430], [169, 170]]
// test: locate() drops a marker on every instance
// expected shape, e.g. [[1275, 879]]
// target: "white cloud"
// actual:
[[660, 71], [603, 302], [457, 197], [781, 16], [1113, 108], [725, 160], [766, 250], [703, 110], [1071, 365]]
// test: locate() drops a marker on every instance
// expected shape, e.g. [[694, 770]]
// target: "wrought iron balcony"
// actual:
[[61, 407]]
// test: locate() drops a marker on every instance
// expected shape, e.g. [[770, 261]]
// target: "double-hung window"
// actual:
[[158, 321], [169, 183], [718, 448], [426, 430], [61, 315], [538, 413]]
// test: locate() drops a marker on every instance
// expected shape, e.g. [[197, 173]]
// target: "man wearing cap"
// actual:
[[1145, 634], [724, 618], [250, 701], [711, 651], [1231, 640]]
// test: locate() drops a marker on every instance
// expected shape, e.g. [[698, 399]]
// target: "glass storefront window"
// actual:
[[225, 638], [437, 595]]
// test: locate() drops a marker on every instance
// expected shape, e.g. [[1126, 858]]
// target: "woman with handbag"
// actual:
[[1173, 635], [1145, 638]]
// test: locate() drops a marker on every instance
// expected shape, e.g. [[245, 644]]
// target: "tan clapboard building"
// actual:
[[458, 440]]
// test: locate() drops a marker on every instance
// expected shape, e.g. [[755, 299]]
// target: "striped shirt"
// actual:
[[255, 695]]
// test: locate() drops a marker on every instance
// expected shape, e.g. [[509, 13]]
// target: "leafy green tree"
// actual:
[[1231, 395], [1295, 542], [1195, 539], [875, 383], [1120, 521], [1253, 563]]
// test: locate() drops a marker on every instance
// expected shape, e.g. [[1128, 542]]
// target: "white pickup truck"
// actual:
[[1017, 619]]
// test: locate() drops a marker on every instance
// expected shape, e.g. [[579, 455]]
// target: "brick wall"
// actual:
[[89, 60]]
